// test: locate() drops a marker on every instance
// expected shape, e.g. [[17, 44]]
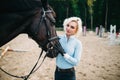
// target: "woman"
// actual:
[[73, 48]]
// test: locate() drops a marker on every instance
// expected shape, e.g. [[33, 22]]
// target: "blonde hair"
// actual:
[[79, 23]]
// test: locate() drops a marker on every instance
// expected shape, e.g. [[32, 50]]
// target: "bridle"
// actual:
[[49, 44], [49, 34], [50, 39]]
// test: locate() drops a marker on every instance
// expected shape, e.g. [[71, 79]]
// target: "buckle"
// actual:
[[65, 70]]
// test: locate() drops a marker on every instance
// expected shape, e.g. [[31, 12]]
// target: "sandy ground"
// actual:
[[99, 61]]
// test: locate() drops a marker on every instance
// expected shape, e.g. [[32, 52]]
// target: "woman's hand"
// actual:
[[66, 56]]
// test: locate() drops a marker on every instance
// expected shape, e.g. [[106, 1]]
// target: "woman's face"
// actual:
[[71, 28]]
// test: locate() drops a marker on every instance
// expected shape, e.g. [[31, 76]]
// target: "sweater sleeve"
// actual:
[[74, 60]]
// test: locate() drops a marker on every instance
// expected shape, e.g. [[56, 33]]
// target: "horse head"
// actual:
[[43, 30]]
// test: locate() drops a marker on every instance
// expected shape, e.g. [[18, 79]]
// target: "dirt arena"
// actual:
[[99, 61]]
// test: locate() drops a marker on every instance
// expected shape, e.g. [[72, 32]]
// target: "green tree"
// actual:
[[64, 9], [75, 7], [90, 5], [92, 12], [99, 13]]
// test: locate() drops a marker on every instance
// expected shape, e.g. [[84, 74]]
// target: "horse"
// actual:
[[33, 17]]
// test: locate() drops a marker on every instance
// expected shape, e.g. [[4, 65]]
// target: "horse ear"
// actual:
[[44, 3]]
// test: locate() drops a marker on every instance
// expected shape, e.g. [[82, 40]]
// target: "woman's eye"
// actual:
[[72, 27], [67, 25]]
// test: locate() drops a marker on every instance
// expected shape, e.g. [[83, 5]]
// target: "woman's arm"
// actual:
[[74, 60]]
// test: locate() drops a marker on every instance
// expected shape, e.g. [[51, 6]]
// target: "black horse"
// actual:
[[33, 17]]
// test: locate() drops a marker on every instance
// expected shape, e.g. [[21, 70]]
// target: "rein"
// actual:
[[26, 76]]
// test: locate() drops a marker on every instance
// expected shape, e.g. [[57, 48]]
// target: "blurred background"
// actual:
[[92, 12]]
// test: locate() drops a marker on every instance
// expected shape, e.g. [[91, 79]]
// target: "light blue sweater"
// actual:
[[73, 48]]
